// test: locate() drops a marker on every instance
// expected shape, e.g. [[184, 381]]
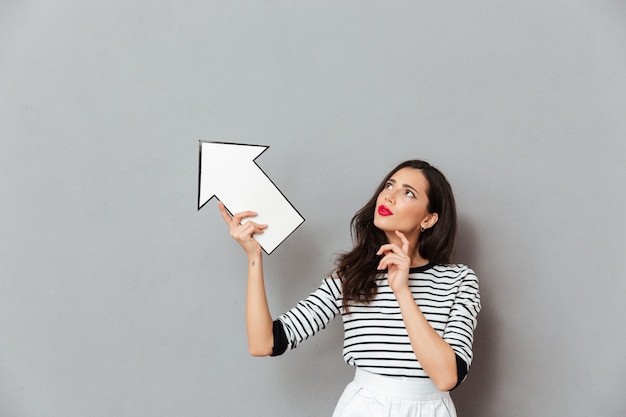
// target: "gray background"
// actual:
[[119, 298]]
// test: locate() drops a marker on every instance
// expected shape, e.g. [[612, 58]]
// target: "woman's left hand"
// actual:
[[397, 262]]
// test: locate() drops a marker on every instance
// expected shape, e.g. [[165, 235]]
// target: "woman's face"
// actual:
[[402, 204]]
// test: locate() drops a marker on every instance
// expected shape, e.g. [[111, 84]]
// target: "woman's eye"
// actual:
[[389, 186], [409, 193]]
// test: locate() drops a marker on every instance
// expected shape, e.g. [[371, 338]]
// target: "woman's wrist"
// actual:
[[254, 259], [404, 294]]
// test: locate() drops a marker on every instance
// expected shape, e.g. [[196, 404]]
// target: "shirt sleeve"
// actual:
[[308, 317], [459, 332], [280, 339], [461, 370]]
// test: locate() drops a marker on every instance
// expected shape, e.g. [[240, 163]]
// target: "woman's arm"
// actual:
[[434, 354], [258, 317]]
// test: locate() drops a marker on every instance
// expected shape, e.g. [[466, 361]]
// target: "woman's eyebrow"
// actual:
[[391, 180], [411, 187]]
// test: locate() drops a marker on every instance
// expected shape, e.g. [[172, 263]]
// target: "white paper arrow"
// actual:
[[228, 172]]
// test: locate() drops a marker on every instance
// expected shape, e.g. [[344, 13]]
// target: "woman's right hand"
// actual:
[[243, 233]]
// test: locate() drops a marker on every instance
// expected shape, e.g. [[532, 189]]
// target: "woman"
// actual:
[[409, 314]]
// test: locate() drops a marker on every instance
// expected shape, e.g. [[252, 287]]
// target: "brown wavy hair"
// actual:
[[357, 268]]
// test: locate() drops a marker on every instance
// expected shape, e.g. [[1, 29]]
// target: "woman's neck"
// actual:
[[417, 260]]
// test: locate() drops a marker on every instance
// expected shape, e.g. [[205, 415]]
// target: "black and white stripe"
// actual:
[[376, 339]]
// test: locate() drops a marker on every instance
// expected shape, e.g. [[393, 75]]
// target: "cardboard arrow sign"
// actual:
[[228, 172]]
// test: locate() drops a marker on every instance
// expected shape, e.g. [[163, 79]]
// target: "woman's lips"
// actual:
[[384, 211]]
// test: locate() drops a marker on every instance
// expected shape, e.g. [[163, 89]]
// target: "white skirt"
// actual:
[[371, 395]]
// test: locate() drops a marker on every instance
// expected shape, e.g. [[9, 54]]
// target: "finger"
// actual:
[[404, 240], [383, 264], [238, 218], [389, 265], [387, 248], [398, 259], [247, 230], [389, 259], [224, 212], [253, 228]]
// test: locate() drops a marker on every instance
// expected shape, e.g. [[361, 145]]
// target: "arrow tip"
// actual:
[[218, 158]]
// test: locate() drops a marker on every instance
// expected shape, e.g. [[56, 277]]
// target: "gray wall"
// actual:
[[119, 298]]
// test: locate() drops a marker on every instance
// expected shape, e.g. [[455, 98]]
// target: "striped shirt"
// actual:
[[375, 337]]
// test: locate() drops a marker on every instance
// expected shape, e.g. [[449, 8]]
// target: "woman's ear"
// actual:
[[430, 220]]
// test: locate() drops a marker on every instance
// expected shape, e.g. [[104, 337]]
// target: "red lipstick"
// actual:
[[384, 211]]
